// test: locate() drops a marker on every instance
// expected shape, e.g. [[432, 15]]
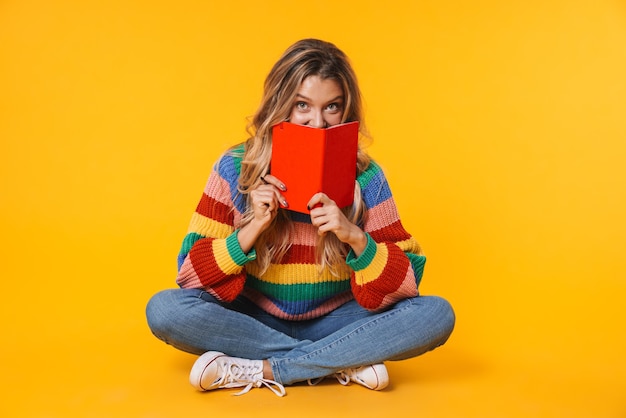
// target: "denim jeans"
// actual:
[[194, 321]]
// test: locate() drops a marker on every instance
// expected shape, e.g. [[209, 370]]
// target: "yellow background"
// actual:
[[500, 124]]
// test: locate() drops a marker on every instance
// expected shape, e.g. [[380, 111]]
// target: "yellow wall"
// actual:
[[501, 126]]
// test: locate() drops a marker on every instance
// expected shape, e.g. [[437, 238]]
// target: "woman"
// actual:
[[271, 297]]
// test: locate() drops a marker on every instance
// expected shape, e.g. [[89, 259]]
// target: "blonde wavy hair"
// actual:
[[305, 58]]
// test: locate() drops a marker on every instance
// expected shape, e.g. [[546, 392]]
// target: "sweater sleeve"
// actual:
[[391, 267], [211, 257]]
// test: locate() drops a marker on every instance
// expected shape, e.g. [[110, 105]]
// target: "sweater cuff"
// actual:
[[235, 251], [366, 257]]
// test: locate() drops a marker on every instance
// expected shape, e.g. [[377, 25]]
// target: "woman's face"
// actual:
[[318, 103]]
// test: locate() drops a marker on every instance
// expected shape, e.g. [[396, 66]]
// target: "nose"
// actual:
[[317, 120]]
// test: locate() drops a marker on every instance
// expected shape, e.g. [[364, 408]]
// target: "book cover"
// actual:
[[311, 160]]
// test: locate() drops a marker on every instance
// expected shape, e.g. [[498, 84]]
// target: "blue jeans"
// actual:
[[194, 321]]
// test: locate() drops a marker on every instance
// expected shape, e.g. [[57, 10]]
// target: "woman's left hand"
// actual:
[[328, 217]]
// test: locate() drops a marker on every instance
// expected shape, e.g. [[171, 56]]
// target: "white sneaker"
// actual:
[[373, 377], [215, 370]]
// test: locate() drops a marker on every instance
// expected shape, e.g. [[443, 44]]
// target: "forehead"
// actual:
[[315, 87]]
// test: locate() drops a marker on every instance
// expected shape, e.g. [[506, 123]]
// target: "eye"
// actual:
[[333, 107], [302, 106]]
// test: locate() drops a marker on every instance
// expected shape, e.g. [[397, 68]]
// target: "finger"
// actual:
[[261, 198], [321, 222], [314, 202], [323, 228], [280, 198], [324, 199], [266, 193], [319, 199], [269, 179]]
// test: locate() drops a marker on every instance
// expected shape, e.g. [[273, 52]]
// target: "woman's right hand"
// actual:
[[265, 201]]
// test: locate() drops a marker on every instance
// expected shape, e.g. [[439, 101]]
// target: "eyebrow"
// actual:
[[340, 97]]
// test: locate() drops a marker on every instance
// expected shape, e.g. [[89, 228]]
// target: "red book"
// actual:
[[311, 160]]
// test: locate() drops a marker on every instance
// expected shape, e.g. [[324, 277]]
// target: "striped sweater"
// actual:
[[389, 269]]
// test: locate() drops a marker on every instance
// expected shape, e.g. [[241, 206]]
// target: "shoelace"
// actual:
[[235, 375], [344, 376], [341, 376]]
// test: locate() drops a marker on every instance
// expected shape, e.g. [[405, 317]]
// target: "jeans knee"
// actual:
[[445, 315], [159, 315]]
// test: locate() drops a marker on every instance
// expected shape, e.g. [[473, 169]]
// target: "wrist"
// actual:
[[359, 243], [248, 235], [361, 261]]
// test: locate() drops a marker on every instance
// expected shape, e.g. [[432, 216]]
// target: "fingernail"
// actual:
[[285, 204], [282, 187]]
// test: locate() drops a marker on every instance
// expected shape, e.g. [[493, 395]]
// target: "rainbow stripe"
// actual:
[[390, 268]]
